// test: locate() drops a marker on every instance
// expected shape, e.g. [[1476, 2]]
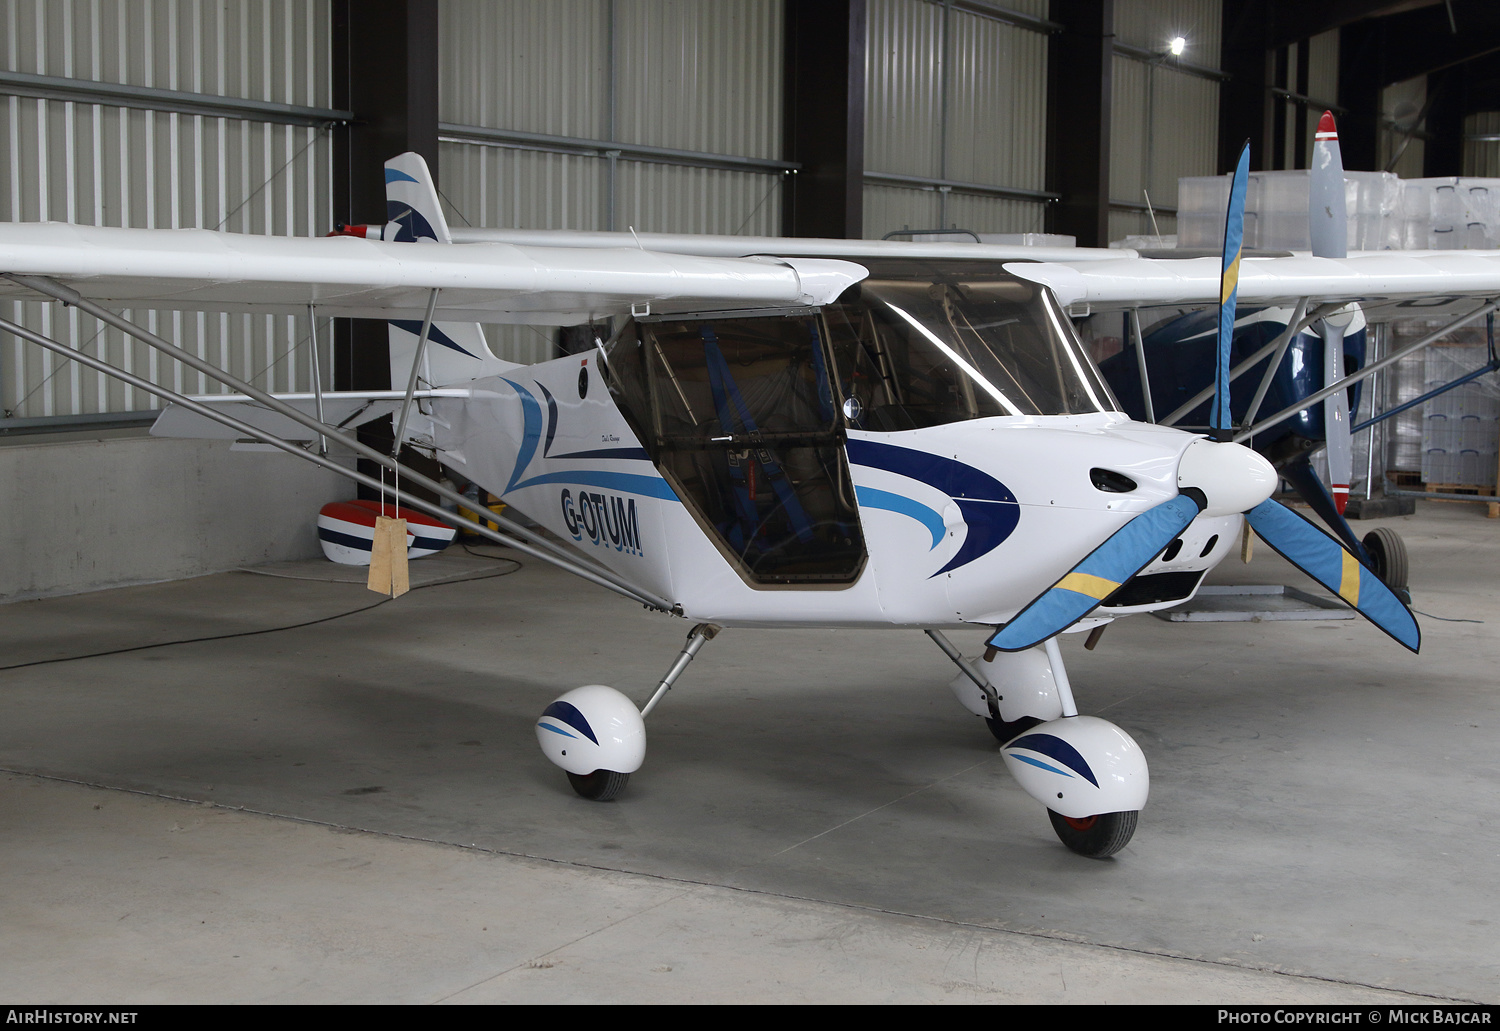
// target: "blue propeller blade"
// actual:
[[1127, 552], [1229, 282], [1325, 560]]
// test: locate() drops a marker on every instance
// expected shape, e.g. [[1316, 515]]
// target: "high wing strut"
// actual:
[[1245, 366], [1368, 370], [317, 376], [416, 364], [538, 546], [1282, 342], [1140, 363]]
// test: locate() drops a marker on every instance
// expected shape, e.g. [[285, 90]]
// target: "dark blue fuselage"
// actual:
[[1180, 360]]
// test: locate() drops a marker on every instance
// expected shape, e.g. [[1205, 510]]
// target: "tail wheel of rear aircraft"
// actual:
[[1388, 553], [599, 786], [1095, 836]]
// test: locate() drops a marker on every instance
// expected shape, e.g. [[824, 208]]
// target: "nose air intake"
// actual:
[[1111, 482]]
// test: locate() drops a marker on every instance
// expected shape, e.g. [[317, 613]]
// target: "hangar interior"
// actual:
[[222, 786]]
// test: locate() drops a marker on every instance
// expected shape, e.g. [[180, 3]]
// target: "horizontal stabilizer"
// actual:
[[341, 410]]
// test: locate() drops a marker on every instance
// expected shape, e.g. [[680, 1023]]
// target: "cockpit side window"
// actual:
[[741, 415]]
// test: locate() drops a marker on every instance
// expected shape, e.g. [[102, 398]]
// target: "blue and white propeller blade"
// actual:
[[1139, 541], [1220, 419], [1326, 561], [1088, 584]]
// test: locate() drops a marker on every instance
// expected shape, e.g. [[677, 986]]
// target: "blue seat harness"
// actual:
[[734, 417]]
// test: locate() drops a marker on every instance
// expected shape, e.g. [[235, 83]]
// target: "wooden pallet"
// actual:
[[1483, 493]]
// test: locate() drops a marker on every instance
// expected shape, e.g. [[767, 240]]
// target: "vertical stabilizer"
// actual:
[[456, 351]]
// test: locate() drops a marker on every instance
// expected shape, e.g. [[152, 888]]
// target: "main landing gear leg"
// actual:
[[1013, 692], [697, 637], [596, 734]]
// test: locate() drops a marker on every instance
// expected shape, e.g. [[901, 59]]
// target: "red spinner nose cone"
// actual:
[[1326, 130]]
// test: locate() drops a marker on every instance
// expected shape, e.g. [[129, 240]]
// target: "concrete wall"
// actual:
[[82, 514]]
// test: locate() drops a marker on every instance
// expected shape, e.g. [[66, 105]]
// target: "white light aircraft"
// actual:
[[778, 433]]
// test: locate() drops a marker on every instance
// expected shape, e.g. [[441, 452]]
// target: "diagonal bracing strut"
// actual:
[[539, 546]]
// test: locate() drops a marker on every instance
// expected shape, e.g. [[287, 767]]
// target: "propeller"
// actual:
[[1216, 477], [1328, 230], [1221, 421], [1321, 557]]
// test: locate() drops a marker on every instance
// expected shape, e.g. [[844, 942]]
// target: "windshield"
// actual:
[[932, 344]]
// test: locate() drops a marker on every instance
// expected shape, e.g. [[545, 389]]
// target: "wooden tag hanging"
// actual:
[[388, 572]]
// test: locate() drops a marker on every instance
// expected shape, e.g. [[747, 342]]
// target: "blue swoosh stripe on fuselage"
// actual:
[[990, 510], [952, 477], [989, 523], [626, 483], [632, 454], [531, 433], [870, 497], [551, 419]]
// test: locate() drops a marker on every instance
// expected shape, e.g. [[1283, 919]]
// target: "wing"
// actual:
[[958, 247], [1387, 284], [199, 270]]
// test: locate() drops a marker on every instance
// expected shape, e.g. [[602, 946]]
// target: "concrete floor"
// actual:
[[356, 811]]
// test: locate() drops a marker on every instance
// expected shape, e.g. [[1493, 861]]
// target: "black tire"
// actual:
[[599, 786], [1004, 730], [1096, 837], [1388, 554]]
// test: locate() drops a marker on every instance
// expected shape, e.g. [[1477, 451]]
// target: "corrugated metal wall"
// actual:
[[1322, 79], [953, 94], [695, 76], [1401, 104], [1481, 154], [99, 164], [1165, 121]]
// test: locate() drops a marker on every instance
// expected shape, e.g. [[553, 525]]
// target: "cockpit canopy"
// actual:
[[745, 413], [927, 343]]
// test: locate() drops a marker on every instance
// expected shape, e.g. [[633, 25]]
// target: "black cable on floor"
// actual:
[[274, 629], [1446, 619]]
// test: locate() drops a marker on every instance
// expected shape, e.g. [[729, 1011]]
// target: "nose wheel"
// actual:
[[1097, 837]]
